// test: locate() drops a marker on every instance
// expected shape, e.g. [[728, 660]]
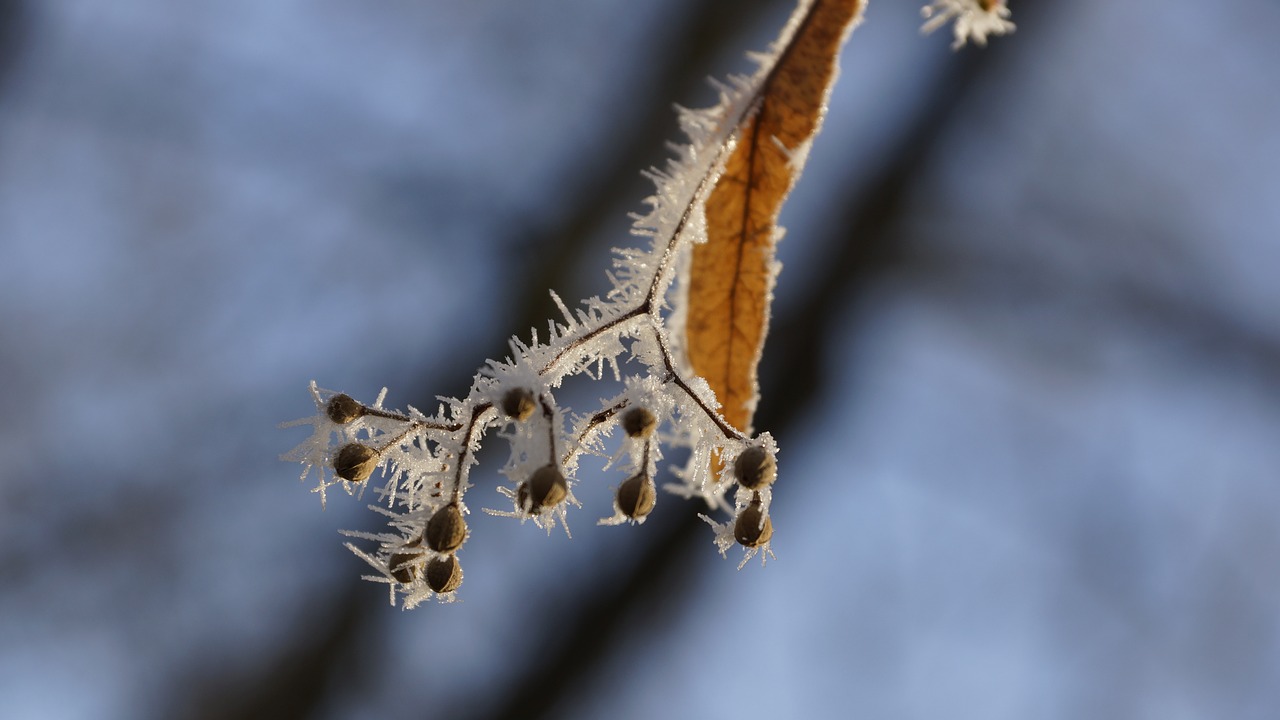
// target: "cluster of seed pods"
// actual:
[[431, 555]]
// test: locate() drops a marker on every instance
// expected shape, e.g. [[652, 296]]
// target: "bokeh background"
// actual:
[[1025, 369]]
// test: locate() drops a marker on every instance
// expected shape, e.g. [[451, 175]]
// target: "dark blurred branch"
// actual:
[[295, 683], [13, 28]]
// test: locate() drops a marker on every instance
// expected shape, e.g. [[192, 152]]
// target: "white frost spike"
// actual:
[[564, 310]]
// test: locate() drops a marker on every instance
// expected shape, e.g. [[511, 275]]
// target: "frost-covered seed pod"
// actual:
[[401, 566], [639, 422], [752, 528], [636, 497], [444, 574], [446, 530], [342, 409], [754, 468], [546, 488], [355, 462], [519, 404]]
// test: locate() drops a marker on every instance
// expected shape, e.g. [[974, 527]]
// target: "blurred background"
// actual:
[[1025, 370]]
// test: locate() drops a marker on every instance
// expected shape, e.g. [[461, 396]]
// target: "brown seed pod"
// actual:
[[639, 422], [401, 566], [546, 488], [355, 462], [754, 468], [446, 530], [444, 574], [519, 404], [636, 497], [749, 530], [342, 409]]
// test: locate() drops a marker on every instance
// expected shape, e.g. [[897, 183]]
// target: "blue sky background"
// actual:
[[1040, 477]]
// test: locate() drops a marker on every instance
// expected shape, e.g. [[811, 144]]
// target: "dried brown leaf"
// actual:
[[732, 274]]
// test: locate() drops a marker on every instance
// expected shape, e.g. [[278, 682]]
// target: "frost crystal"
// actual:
[[974, 19]]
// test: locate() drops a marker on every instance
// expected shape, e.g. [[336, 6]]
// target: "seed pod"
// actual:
[[355, 462], [342, 409], [749, 530], [754, 468], [446, 530], [444, 574], [639, 422], [401, 566], [519, 404], [636, 497], [546, 488]]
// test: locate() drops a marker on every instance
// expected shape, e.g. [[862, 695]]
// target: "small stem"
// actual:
[[726, 429], [460, 472], [637, 311], [661, 276], [389, 414], [414, 428], [550, 415], [596, 421], [604, 415], [673, 376]]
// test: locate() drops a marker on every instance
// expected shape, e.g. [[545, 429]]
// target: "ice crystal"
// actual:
[[974, 19]]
